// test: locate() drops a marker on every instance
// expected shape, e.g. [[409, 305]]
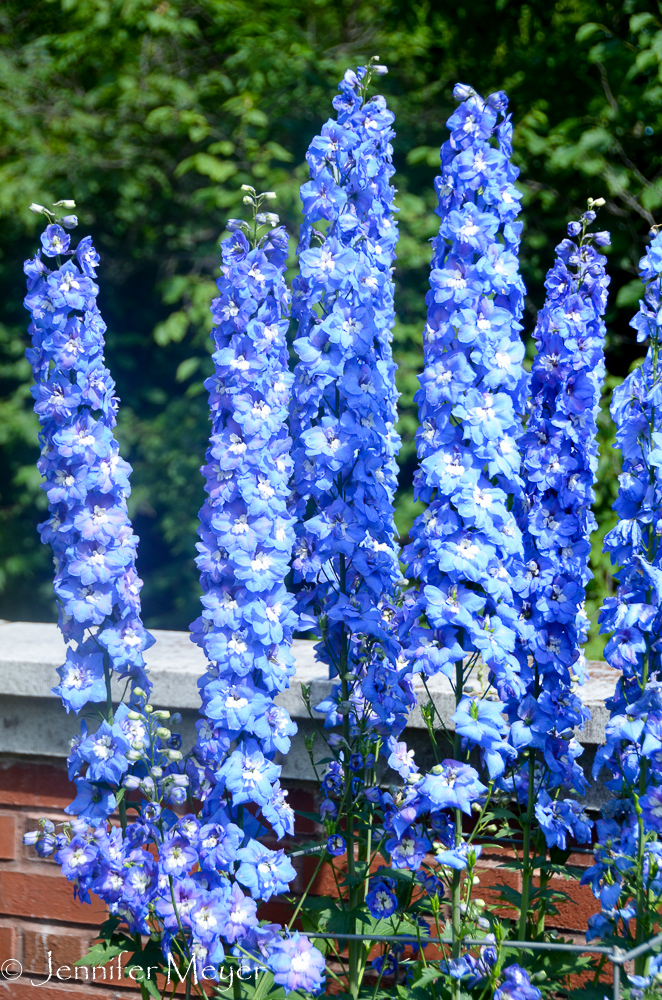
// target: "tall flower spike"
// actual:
[[246, 542], [85, 479], [344, 405], [245, 529], [472, 393], [560, 458], [626, 876]]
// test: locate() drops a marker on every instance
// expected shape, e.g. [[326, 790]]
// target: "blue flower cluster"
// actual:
[[85, 480], [627, 875], [466, 543], [344, 410], [246, 544], [247, 534], [559, 459], [179, 878]]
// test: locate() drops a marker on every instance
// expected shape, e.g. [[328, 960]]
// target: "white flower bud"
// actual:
[[269, 195], [66, 203], [174, 755], [247, 187], [162, 713], [247, 200], [164, 733], [132, 781], [38, 209]]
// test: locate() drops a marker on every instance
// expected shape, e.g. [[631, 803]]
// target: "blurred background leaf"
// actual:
[[152, 114]]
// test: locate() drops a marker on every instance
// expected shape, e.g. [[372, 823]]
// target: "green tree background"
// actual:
[[152, 114]]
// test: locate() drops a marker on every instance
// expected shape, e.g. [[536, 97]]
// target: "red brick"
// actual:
[[573, 913], [30, 784], [7, 837], [8, 943], [44, 897], [22, 989], [64, 949]]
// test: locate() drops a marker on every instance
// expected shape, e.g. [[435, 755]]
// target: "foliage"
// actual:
[[154, 114]]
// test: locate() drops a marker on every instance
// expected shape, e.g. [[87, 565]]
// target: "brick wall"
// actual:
[[38, 914]]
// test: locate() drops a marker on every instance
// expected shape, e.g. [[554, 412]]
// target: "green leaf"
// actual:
[[589, 992], [629, 295], [639, 21], [104, 951], [209, 166], [424, 154], [588, 31], [187, 368], [143, 976]]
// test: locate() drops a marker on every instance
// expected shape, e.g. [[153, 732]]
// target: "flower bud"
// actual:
[[66, 203], [162, 713], [38, 209], [31, 838], [139, 692], [156, 772], [69, 221], [131, 782], [134, 716], [247, 200], [247, 187], [462, 91], [133, 755], [174, 755], [163, 733], [177, 796]]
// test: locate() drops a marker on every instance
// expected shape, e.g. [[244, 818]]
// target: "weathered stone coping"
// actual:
[[33, 722]]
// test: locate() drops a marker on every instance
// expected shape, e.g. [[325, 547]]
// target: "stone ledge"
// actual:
[[32, 721]]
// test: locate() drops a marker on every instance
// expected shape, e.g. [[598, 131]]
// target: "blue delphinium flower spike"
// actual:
[[344, 409], [626, 874], [85, 479], [465, 545]]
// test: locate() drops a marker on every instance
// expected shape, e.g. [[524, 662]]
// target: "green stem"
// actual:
[[321, 861], [109, 697], [642, 929], [527, 870], [456, 887], [352, 946]]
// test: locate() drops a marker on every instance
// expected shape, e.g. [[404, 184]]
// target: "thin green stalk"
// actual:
[[642, 928], [456, 887], [527, 870], [321, 861], [353, 946]]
